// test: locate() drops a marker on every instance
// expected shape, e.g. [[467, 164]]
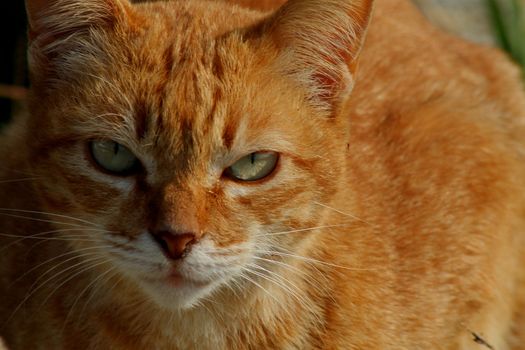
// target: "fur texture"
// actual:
[[395, 218]]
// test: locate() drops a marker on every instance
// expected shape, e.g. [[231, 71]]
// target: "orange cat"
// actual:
[[199, 175]]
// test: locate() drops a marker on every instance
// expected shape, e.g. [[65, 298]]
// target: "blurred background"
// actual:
[[490, 22]]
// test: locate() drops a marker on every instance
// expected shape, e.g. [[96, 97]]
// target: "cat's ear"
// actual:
[[319, 42], [59, 26], [56, 19]]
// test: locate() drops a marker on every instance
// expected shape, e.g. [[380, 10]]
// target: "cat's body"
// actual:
[[417, 183]]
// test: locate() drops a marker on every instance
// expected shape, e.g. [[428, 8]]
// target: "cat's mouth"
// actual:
[[180, 283], [173, 278], [173, 290], [176, 279]]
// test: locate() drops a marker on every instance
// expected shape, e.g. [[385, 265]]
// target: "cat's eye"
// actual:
[[254, 166], [113, 157]]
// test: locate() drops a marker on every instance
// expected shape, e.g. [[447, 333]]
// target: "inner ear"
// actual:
[[319, 42]]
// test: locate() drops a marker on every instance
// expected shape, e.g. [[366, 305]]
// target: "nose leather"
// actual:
[[175, 245]]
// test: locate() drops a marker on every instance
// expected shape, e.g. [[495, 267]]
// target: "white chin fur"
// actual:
[[180, 297]]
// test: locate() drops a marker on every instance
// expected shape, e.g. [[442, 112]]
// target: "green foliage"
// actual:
[[508, 17]]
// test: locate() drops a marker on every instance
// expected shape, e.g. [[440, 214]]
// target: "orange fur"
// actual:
[[395, 218]]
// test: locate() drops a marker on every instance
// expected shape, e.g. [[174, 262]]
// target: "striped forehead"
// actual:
[[206, 102], [191, 103], [186, 115]]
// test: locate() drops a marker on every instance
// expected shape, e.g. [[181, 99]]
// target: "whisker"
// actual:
[[50, 214], [75, 252], [293, 269], [217, 316], [290, 287], [321, 287], [50, 232], [17, 171], [93, 257], [90, 267], [70, 238], [232, 289], [259, 286], [32, 291], [312, 260], [29, 251], [302, 230], [72, 308], [19, 180], [277, 300], [281, 282], [65, 262], [343, 213], [94, 292], [40, 220]]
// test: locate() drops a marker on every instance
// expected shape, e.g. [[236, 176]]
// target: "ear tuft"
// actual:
[[319, 43]]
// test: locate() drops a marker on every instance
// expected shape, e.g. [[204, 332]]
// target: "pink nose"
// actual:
[[174, 245]]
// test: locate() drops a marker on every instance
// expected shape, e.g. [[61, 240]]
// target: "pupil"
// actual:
[[115, 148], [252, 158]]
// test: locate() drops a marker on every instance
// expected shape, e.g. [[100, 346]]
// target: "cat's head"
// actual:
[[188, 149]]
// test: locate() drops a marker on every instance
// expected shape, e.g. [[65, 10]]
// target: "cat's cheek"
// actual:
[[79, 190]]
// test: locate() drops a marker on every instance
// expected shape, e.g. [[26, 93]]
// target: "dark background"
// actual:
[[13, 72]]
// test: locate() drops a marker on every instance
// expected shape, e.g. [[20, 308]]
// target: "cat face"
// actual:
[[195, 155]]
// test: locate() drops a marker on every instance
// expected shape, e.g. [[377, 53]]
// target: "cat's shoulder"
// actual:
[[408, 63]]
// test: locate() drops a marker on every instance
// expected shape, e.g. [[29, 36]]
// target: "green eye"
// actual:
[[254, 166], [113, 157]]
